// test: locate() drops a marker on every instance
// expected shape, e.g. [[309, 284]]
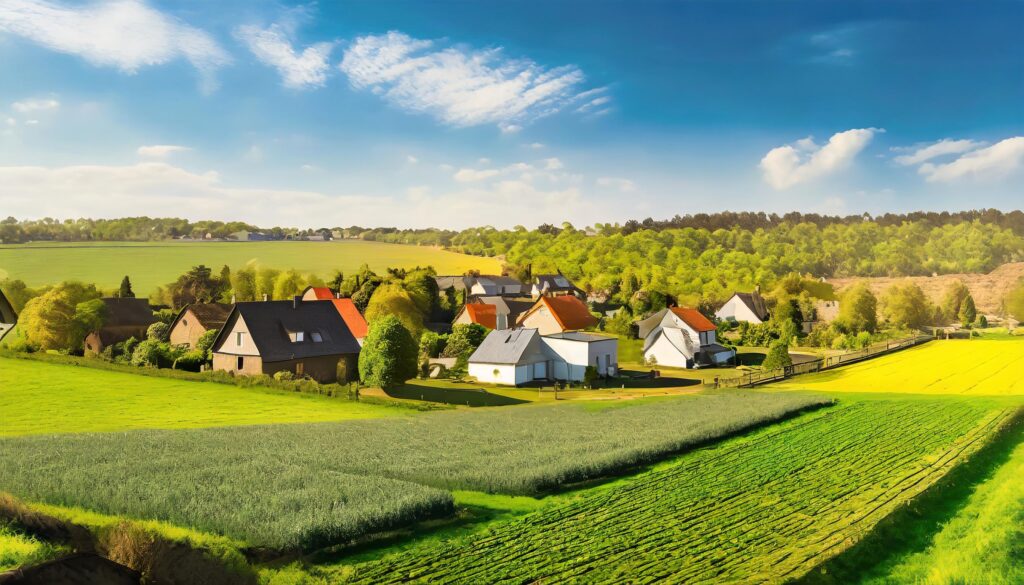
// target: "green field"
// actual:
[[152, 264], [40, 398], [967, 367], [765, 507], [18, 549]]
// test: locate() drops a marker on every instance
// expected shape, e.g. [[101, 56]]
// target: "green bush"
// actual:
[[283, 376], [778, 356], [388, 357], [590, 377]]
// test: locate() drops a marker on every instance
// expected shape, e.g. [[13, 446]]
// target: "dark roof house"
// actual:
[[8, 318], [125, 318], [750, 307], [554, 284], [196, 319]]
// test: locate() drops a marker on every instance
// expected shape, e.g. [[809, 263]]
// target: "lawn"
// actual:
[[41, 398], [976, 367], [152, 264], [763, 507], [304, 486]]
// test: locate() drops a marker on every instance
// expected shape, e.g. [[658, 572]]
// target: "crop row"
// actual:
[[766, 507], [304, 486]]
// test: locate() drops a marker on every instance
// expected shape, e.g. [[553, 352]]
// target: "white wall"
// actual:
[[229, 343], [736, 310], [508, 374], [572, 357], [666, 354]]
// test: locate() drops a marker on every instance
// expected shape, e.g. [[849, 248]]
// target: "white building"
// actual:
[[749, 307], [520, 356], [571, 352], [682, 338]]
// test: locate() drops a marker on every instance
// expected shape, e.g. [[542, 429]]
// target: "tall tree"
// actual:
[[954, 299], [61, 317], [388, 356], [125, 291], [968, 312], [198, 285], [906, 306], [858, 310], [391, 299]]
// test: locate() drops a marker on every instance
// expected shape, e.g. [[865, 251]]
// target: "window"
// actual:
[[316, 337], [300, 368], [239, 338], [240, 363], [298, 337], [184, 322]]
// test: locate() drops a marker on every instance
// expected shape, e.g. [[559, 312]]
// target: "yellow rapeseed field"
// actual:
[[974, 368]]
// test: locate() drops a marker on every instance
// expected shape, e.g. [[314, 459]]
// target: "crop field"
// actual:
[[40, 397], [767, 506], [152, 264], [300, 486], [977, 367]]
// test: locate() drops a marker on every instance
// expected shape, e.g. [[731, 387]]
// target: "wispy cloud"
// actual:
[[35, 105], [125, 34], [992, 162], [160, 150], [457, 85], [618, 183], [474, 175], [273, 46], [804, 160], [925, 152]]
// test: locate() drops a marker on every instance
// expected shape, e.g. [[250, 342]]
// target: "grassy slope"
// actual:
[[17, 549], [969, 367], [52, 398], [155, 264]]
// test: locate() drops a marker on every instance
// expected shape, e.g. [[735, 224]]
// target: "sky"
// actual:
[[455, 114]]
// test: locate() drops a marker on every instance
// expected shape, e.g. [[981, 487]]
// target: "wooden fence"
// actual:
[[834, 361]]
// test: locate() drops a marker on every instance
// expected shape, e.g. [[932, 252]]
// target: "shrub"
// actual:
[[191, 361], [158, 331], [388, 357], [283, 376], [464, 340], [148, 353], [590, 376], [778, 356], [620, 324]]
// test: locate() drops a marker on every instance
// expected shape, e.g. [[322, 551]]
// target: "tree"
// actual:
[[198, 285], [125, 291], [432, 344], [778, 356], [954, 299], [464, 340], [288, 284], [905, 306], [61, 317], [392, 300], [243, 285], [205, 343], [388, 356], [158, 332], [621, 323], [422, 288], [968, 312], [1015, 303], [858, 310]]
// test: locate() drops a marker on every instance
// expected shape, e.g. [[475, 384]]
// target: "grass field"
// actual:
[[152, 264], [41, 398], [966, 367], [18, 549], [286, 486], [764, 507]]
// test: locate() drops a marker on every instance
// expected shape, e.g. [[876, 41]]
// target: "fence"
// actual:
[[817, 365]]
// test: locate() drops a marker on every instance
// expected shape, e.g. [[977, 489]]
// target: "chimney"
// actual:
[[337, 295], [232, 299], [296, 301]]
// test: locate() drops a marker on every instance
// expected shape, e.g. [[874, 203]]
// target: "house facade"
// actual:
[[195, 320], [305, 338], [493, 312], [750, 307], [682, 338], [573, 351], [559, 314], [483, 285], [125, 318], [554, 285], [521, 356], [8, 318]]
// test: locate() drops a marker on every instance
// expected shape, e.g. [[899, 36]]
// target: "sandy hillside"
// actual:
[[988, 290]]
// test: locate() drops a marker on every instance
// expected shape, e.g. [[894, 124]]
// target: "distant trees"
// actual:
[[958, 304], [125, 290], [1014, 303], [61, 317], [388, 356], [905, 306], [858, 310]]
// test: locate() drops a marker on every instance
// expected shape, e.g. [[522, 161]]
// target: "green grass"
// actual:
[[152, 264], [18, 549], [289, 486], [41, 398], [763, 507]]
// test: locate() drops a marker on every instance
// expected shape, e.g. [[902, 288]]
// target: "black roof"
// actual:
[[7, 314], [209, 315], [555, 282], [128, 312], [755, 302], [271, 324]]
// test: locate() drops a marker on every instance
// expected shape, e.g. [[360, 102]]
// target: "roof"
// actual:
[[128, 312], [694, 319], [511, 306], [209, 315], [578, 336], [677, 337], [447, 282], [352, 317], [554, 282], [270, 324], [322, 293], [755, 302], [511, 346], [482, 314], [570, 312], [7, 314]]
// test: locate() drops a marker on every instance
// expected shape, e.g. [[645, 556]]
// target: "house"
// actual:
[[484, 285], [493, 312], [559, 314], [125, 318], [345, 307], [554, 285], [826, 311], [520, 356], [749, 307], [682, 338], [195, 320], [306, 338], [8, 318]]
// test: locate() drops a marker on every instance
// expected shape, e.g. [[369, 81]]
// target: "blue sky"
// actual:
[[453, 114]]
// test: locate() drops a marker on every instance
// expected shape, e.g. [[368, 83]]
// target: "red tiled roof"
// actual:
[[350, 314], [571, 313], [481, 314], [322, 293], [694, 318]]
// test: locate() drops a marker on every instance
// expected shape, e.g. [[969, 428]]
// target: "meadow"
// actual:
[[18, 549], [767, 506], [977, 367], [153, 264], [304, 486], [40, 397]]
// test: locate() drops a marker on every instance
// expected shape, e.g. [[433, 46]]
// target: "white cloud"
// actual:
[[535, 145], [35, 105], [125, 34], [411, 159], [12, 122], [922, 153], [273, 47], [458, 85], [804, 160], [31, 122], [473, 175], [993, 162], [308, 168], [623, 185], [160, 150], [553, 164]]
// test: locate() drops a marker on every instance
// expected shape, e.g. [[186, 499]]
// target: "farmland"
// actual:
[[40, 397], [156, 263], [768, 505], [976, 368], [280, 486]]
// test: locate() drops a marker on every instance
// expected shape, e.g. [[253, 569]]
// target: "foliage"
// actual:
[[158, 331], [61, 317], [621, 323], [288, 284], [422, 288], [21, 550], [858, 310], [432, 344], [153, 353], [125, 290], [1015, 303], [905, 306], [767, 507], [205, 342], [464, 339], [954, 299], [391, 299], [968, 312], [757, 334], [388, 356], [778, 356], [197, 285], [590, 377]]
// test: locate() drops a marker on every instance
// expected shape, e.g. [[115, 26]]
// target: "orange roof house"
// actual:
[[692, 317], [479, 313], [350, 314], [558, 314], [317, 293]]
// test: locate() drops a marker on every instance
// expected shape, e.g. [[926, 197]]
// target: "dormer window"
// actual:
[[298, 336], [316, 337]]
